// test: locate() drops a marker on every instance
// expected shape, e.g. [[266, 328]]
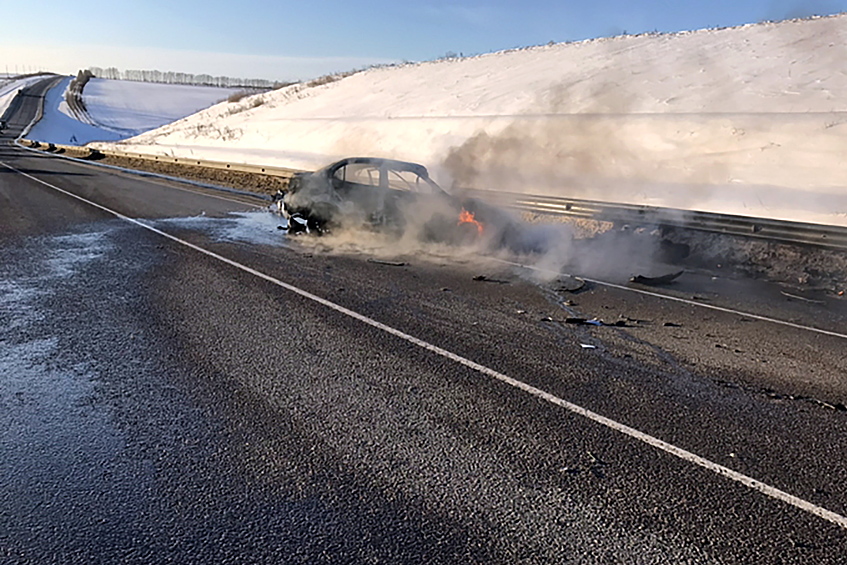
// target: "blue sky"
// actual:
[[301, 39]]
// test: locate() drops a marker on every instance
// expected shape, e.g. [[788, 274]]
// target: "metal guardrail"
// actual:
[[830, 237], [91, 153], [240, 167]]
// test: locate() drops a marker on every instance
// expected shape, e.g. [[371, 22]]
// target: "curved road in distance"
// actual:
[[172, 392]]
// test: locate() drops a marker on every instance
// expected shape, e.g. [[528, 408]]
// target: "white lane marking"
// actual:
[[683, 454], [686, 301]]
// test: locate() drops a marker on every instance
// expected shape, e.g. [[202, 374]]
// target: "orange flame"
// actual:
[[466, 217]]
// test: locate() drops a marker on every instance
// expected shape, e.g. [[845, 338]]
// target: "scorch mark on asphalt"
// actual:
[[657, 443]]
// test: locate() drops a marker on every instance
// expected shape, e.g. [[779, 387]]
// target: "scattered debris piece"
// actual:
[[520, 311], [672, 325], [652, 281], [789, 295], [587, 346], [297, 224], [569, 283], [597, 466], [484, 278], [570, 470], [389, 263], [799, 544], [838, 406], [583, 321]]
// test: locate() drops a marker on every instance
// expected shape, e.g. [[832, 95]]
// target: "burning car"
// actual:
[[401, 198], [377, 193]]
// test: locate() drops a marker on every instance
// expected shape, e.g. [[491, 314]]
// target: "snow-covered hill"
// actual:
[[749, 120]]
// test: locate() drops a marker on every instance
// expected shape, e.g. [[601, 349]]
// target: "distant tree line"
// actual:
[[170, 77]]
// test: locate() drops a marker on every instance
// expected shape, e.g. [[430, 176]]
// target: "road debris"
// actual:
[[297, 224], [587, 346], [484, 278], [569, 283], [598, 466], [583, 321], [389, 263], [653, 281], [794, 296], [672, 325]]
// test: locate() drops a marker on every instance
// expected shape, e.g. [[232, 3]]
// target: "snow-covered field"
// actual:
[[749, 120], [119, 109], [131, 108], [59, 126]]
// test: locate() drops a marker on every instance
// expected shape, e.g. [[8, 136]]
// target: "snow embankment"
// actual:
[[749, 120], [119, 109]]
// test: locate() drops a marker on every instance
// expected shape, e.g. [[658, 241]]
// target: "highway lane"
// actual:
[[160, 404]]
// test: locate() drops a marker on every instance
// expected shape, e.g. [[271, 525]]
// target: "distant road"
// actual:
[[172, 392]]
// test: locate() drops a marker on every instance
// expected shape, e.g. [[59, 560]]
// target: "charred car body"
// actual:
[[378, 193]]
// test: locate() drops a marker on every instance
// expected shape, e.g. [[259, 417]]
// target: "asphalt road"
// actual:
[[182, 383]]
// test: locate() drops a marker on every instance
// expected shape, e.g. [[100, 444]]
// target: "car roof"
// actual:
[[380, 162]]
